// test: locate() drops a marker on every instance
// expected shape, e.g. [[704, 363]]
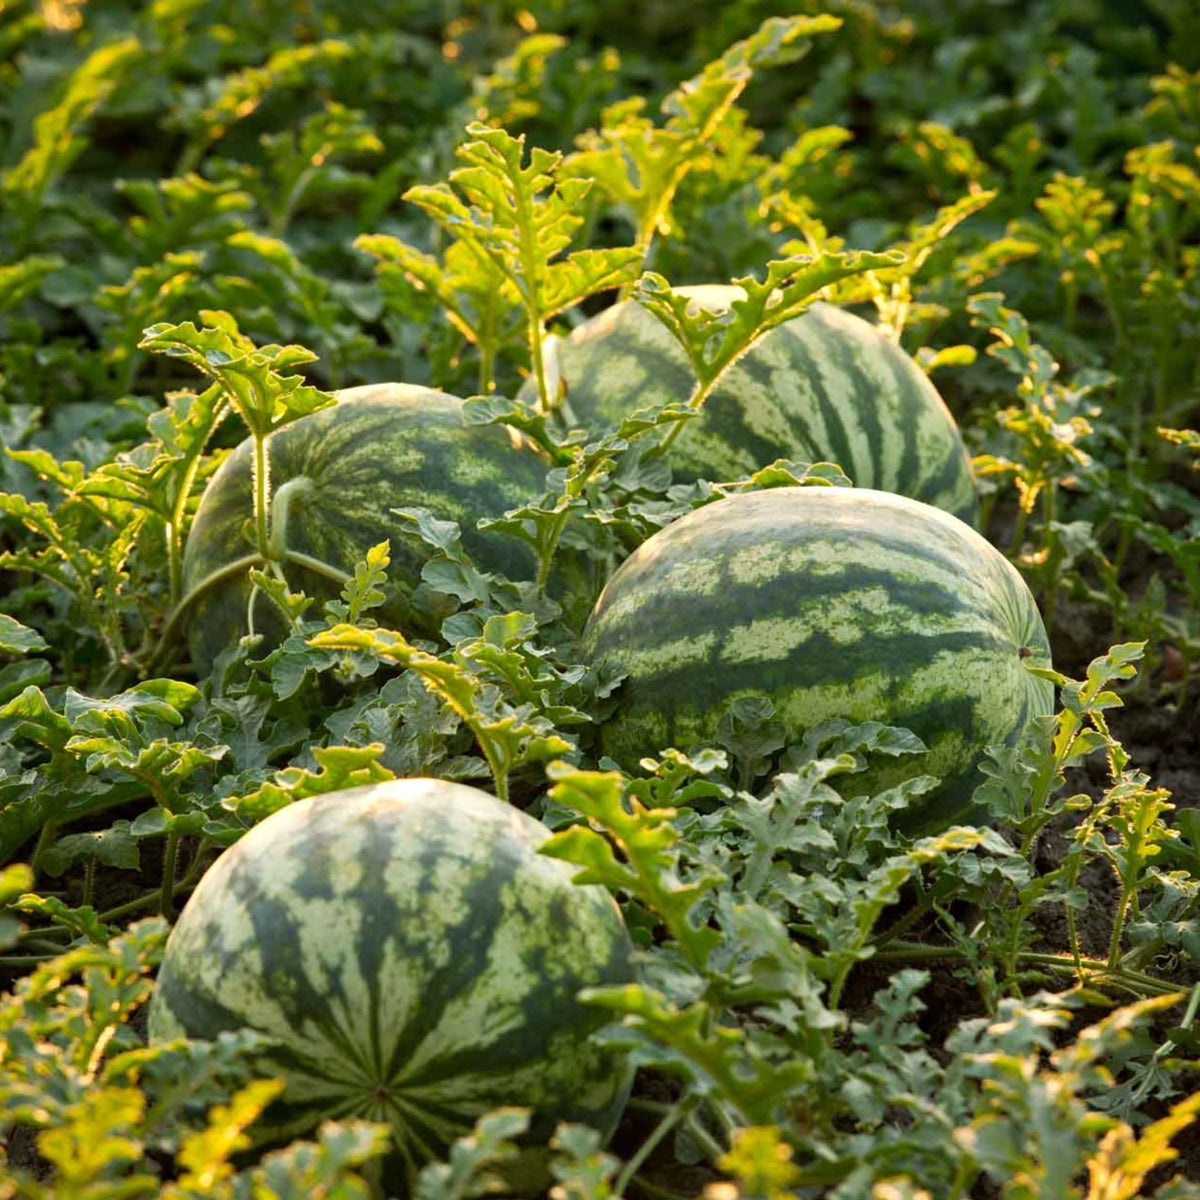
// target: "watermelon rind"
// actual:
[[381, 446], [831, 603], [823, 386], [417, 962]]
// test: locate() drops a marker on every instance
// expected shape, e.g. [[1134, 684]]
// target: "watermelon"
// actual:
[[417, 962], [824, 386], [829, 602], [380, 447]]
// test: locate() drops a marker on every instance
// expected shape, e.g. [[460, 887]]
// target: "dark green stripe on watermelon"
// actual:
[[823, 386], [418, 961], [830, 602], [381, 447]]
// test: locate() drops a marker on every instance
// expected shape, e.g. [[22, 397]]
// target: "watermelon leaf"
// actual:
[[15, 880], [57, 140], [519, 217], [20, 279], [338, 767], [114, 847], [471, 1167], [471, 290], [93, 574], [251, 378], [365, 590], [253, 382], [160, 475], [1188, 438], [16, 638], [715, 1059], [713, 341], [891, 288], [649, 867], [509, 735], [640, 165]]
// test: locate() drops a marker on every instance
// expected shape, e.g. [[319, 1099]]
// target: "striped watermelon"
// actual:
[[831, 602], [417, 960], [824, 386], [380, 447]]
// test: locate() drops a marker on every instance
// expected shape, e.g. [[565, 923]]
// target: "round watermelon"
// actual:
[[830, 602], [417, 962], [380, 447], [824, 386]]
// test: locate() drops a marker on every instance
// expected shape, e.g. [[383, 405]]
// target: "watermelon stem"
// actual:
[[238, 567], [1018, 534], [49, 831], [229, 571], [487, 369], [262, 492], [695, 402], [498, 769], [281, 509], [907, 921], [678, 1112], [539, 363], [318, 566], [654, 1189], [183, 493], [174, 560], [1137, 980], [1049, 516], [167, 895], [695, 1125]]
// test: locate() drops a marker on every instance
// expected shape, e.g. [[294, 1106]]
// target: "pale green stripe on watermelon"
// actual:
[[416, 958], [833, 603], [824, 386]]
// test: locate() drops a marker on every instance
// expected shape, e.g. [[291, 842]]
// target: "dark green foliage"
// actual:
[[213, 214]]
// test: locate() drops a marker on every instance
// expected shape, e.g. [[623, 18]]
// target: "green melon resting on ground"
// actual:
[[831, 602], [824, 386], [380, 447], [418, 962]]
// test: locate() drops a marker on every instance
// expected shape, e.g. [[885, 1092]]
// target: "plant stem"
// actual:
[[44, 839], [1060, 962], [194, 866], [167, 896], [131, 906], [905, 922], [712, 1147], [238, 567], [1018, 535], [317, 566], [695, 401], [531, 294], [42, 944], [487, 358], [1049, 510], [174, 562], [89, 881], [282, 218], [281, 510], [660, 1193], [1114, 941], [262, 493], [679, 1112], [1073, 928]]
